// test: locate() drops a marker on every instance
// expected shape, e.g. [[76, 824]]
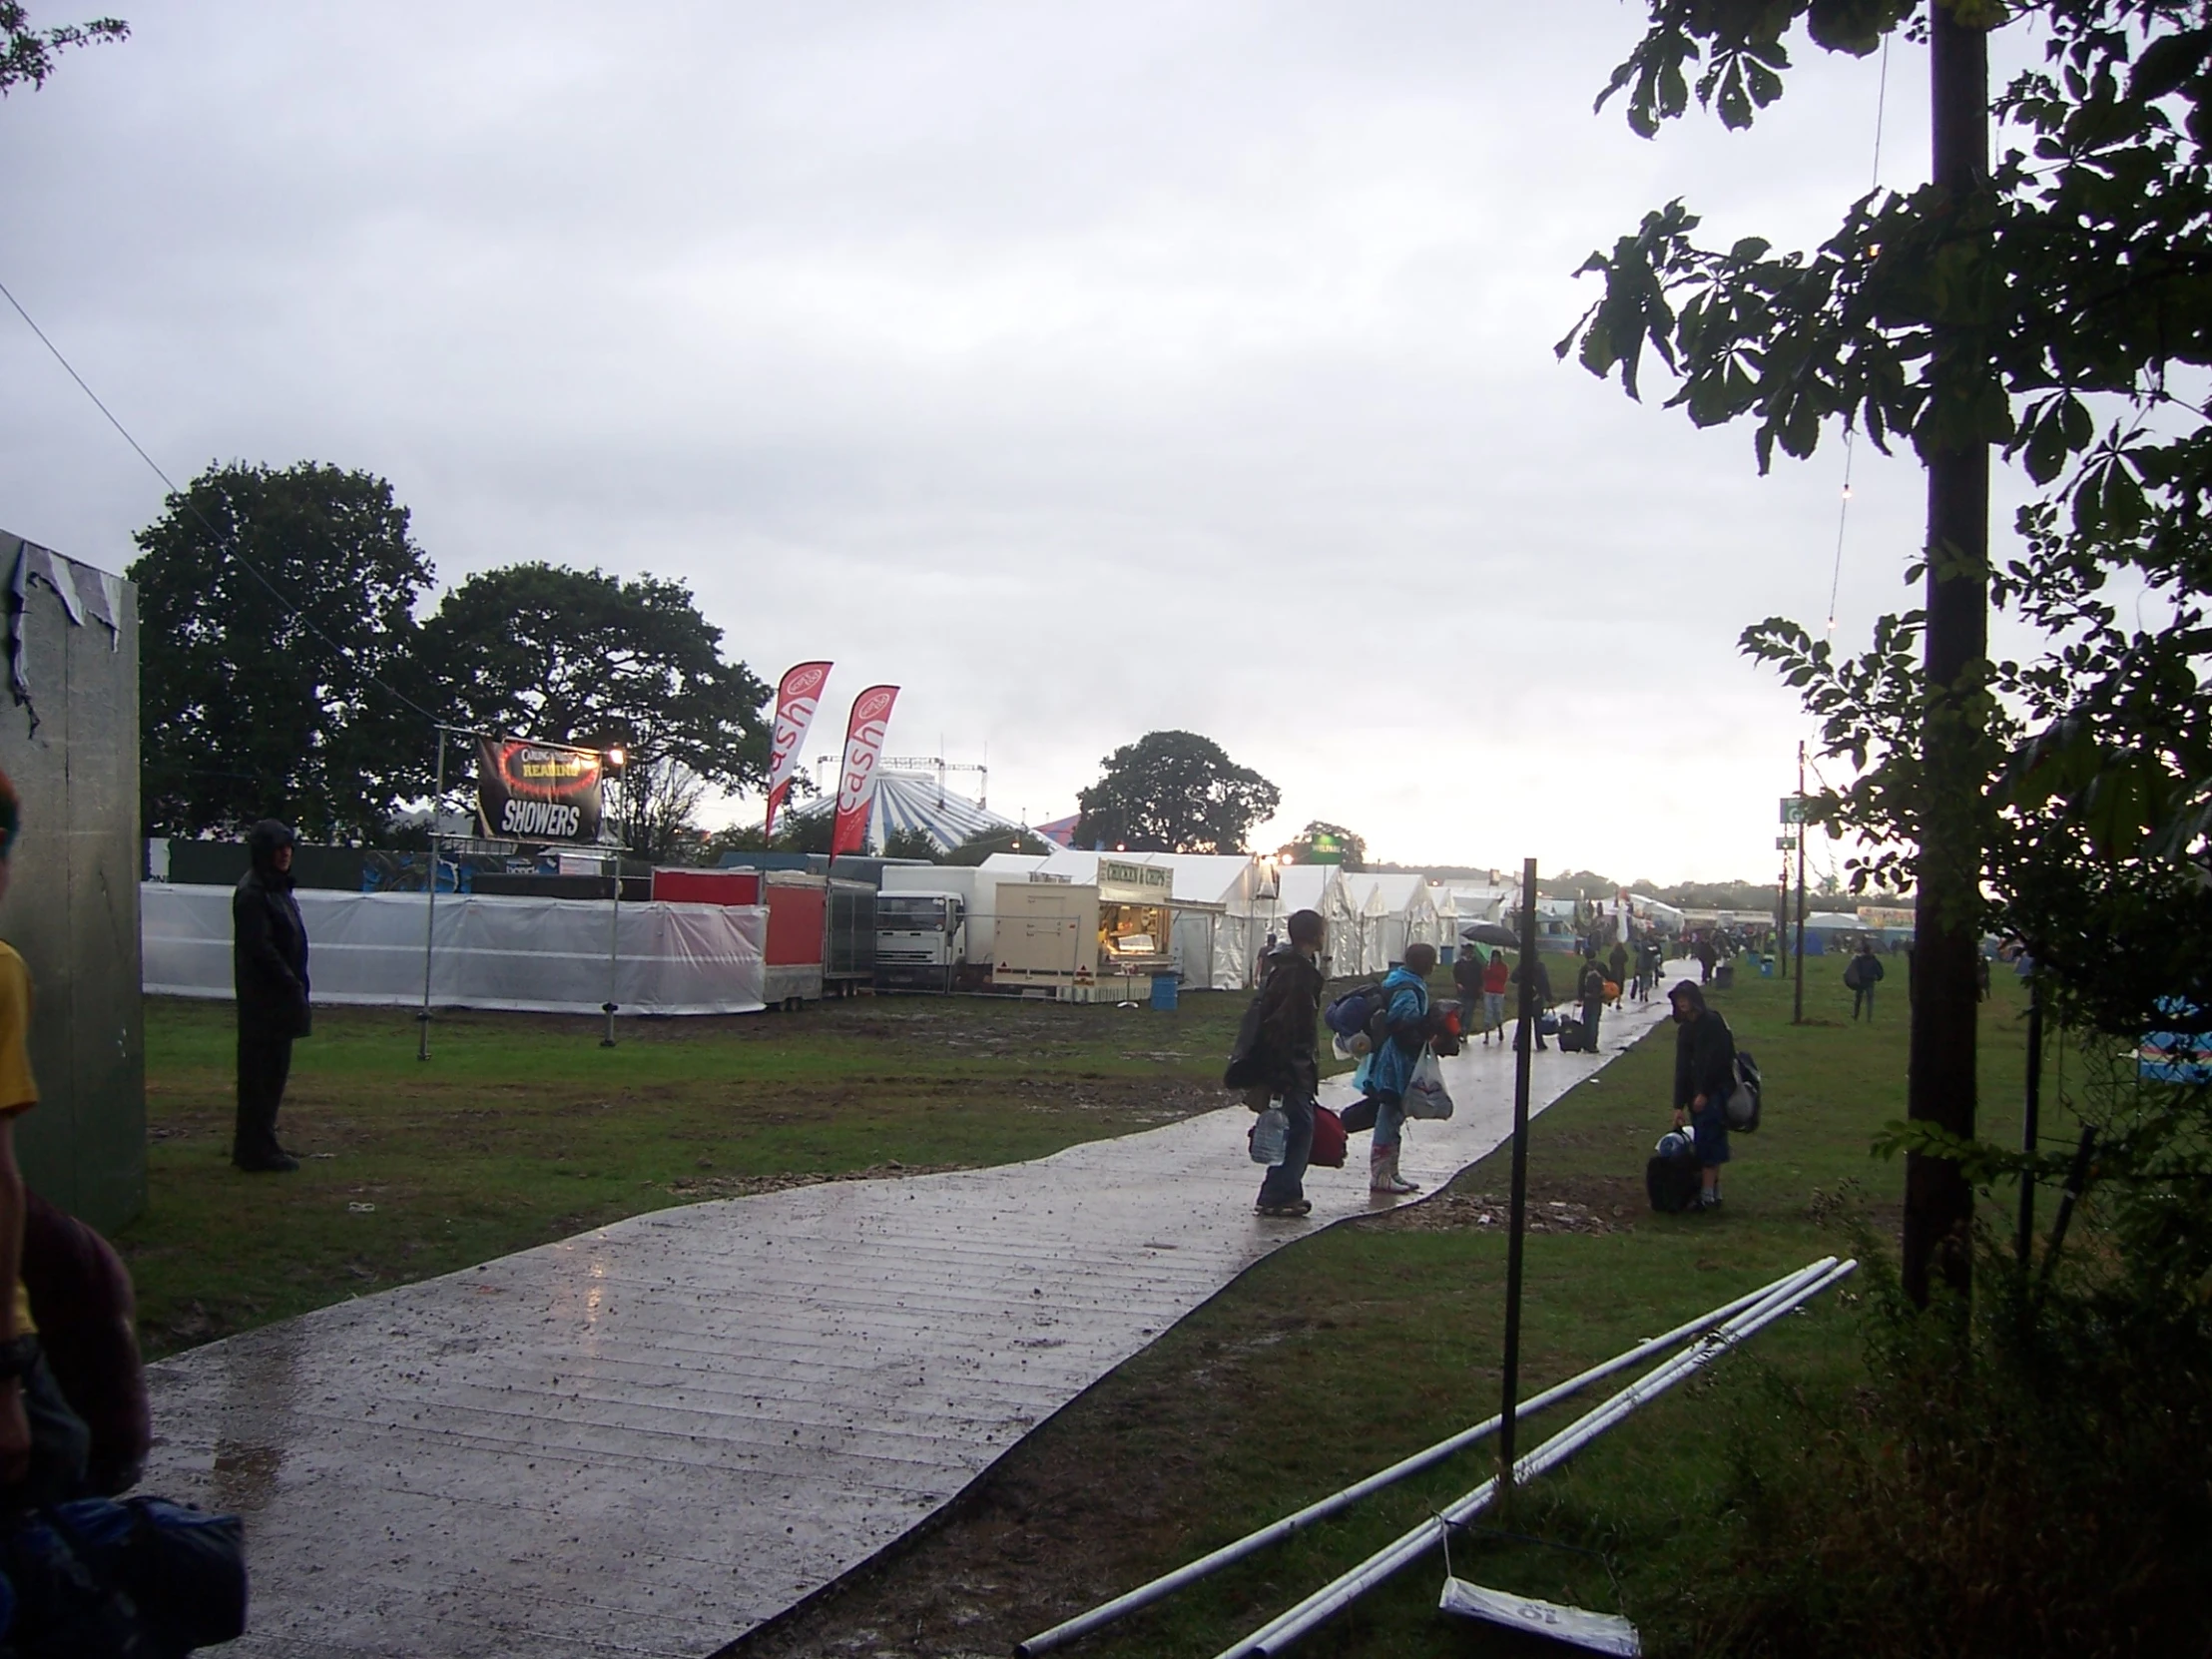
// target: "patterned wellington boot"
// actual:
[[1383, 1176]]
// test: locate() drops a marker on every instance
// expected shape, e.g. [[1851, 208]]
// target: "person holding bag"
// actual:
[[1391, 1067], [1704, 1072], [1286, 1058]]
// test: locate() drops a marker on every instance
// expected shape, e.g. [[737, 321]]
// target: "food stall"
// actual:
[[1136, 921], [1094, 941]]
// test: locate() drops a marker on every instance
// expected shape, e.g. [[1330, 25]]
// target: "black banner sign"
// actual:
[[531, 792]]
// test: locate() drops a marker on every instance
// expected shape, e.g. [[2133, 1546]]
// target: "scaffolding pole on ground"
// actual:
[[1322, 1508], [1278, 1634]]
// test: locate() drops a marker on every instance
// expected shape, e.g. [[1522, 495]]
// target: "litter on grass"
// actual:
[[1575, 1626]]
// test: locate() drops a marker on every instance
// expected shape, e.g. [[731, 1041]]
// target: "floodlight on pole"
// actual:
[[617, 758]]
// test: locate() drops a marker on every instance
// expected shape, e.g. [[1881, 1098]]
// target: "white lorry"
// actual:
[[934, 928]]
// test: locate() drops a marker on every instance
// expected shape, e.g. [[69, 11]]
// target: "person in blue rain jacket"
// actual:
[[1391, 1068]]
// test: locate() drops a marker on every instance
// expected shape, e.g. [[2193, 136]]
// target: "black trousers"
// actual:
[[264, 1064], [59, 1444]]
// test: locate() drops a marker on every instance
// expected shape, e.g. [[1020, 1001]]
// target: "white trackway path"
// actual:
[[649, 1439]]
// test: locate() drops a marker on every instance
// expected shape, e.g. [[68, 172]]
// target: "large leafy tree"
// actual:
[[984, 842], [574, 656], [1332, 840], [1173, 792], [277, 623], [27, 54], [2049, 302]]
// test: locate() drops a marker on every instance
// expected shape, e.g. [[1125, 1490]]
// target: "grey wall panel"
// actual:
[[72, 903], [107, 1036]]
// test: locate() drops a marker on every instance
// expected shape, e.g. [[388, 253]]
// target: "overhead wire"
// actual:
[[290, 606], [1842, 510]]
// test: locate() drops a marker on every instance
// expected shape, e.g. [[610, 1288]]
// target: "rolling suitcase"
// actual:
[[1671, 1177]]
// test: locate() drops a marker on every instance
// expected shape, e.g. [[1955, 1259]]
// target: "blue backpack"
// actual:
[[1355, 1013]]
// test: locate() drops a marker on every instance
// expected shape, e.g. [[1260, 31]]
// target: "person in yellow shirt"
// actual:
[[43, 1443]]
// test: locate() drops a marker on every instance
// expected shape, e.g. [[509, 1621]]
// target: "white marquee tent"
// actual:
[[1479, 903], [1373, 916], [918, 803]]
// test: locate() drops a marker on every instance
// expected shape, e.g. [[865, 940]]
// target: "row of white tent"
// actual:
[[1372, 916]]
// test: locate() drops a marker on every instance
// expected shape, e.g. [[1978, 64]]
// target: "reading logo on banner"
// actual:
[[864, 746], [533, 792], [798, 696]]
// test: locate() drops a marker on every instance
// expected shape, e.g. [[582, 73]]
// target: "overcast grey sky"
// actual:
[[1083, 369]]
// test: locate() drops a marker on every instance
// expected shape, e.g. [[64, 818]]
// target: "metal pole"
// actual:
[[1797, 1016], [1280, 1633], [1782, 912], [614, 943], [430, 910], [2077, 1177], [1251, 1544], [2030, 1116], [1518, 1221]]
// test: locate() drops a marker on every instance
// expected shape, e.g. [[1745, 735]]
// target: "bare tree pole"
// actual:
[[1939, 1203]]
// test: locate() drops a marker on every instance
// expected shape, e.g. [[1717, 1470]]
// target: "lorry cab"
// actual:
[[920, 940]]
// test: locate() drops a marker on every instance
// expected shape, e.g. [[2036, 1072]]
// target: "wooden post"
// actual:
[[1941, 1079]]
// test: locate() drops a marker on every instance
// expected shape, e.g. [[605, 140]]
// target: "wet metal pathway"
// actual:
[[649, 1439]]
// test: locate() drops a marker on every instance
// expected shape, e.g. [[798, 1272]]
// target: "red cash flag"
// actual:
[[864, 746], [798, 696]]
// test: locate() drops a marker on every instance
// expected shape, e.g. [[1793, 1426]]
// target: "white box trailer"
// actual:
[[1046, 938]]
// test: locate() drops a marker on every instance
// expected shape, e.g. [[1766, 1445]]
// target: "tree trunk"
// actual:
[[1939, 1203]]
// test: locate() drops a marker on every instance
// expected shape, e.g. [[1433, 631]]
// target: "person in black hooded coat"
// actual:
[[268, 963]]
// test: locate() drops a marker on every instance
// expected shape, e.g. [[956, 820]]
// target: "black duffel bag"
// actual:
[[143, 1579]]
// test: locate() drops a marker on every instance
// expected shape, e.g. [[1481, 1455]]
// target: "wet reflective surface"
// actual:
[[648, 1438]]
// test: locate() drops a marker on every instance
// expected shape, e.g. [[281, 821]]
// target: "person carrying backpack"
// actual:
[[1861, 975], [1391, 1067], [1591, 990], [1286, 1057], [1466, 979], [1704, 1072], [1541, 975]]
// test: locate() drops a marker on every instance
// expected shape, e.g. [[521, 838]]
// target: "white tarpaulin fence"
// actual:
[[542, 955]]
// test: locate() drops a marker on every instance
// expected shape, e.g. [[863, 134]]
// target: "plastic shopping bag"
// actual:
[[1426, 1094]]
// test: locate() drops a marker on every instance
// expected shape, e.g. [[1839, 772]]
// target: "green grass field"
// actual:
[[521, 1129], [1349, 1350]]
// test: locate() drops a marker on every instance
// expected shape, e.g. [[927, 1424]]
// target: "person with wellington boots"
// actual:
[[1391, 1067]]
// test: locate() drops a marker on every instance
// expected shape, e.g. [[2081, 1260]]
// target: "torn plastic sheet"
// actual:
[[86, 595]]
